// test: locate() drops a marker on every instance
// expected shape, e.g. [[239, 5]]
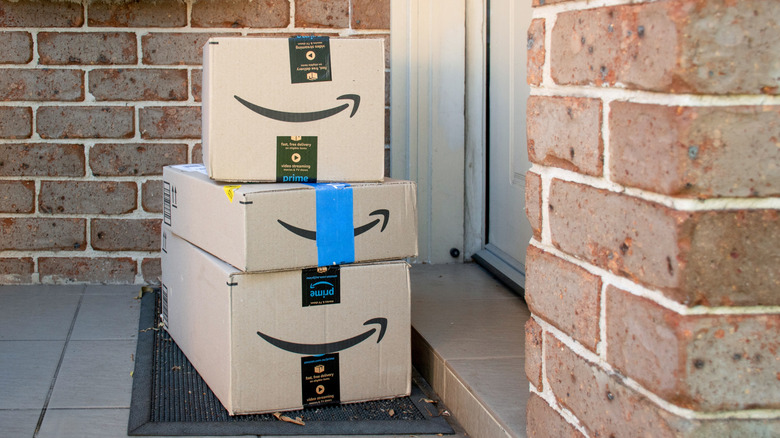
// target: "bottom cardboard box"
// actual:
[[275, 341]]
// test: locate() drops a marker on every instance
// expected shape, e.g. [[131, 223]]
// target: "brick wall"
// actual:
[[95, 98], [654, 196]]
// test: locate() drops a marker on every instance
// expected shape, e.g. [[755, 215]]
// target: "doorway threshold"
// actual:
[[468, 342]]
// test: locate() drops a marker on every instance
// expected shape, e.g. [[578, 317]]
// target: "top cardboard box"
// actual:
[[269, 227], [305, 109]]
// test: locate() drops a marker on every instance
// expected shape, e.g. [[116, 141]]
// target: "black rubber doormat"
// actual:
[[170, 398]]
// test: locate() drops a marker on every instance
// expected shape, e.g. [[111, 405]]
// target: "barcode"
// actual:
[[166, 203]]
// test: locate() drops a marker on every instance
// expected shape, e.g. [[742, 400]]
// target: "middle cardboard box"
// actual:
[[269, 227]]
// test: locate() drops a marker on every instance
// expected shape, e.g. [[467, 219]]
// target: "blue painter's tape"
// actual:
[[335, 228]]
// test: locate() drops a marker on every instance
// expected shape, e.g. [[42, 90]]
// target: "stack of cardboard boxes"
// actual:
[[284, 293]]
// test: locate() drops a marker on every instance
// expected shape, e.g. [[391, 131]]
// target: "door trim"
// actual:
[[475, 230], [428, 136]]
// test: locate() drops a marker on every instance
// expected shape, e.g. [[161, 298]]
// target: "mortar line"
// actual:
[[680, 204], [583, 5], [651, 294], [547, 393], [618, 93], [601, 347], [606, 111], [581, 351]]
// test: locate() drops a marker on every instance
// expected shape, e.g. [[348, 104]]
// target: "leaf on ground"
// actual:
[[285, 418], [391, 412]]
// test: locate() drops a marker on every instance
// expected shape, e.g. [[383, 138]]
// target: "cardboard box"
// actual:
[[277, 341], [306, 109], [264, 227]]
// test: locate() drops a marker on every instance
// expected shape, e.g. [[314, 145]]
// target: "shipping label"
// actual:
[[296, 159], [309, 59], [320, 381]]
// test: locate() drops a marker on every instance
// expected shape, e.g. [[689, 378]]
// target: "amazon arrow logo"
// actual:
[[283, 116], [312, 235], [330, 347]]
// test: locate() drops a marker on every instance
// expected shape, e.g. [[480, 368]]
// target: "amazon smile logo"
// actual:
[[312, 235], [284, 116], [330, 347]]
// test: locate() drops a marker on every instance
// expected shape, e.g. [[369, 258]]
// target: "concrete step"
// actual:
[[468, 343]]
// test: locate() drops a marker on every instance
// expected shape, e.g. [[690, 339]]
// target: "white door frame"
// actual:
[[438, 120]]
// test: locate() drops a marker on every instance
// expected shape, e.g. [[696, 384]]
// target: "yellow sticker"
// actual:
[[230, 190]]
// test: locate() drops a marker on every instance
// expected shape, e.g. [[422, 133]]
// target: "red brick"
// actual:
[[138, 13], [697, 152], [152, 271], [151, 196], [322, 13], [17, 196], [699, 362], [170, 122], [533, 353], [41, 84], [601, 401], [87, 197], [565, 132], [134, 159], [371, 14], [15, 122], [139, 84], [606, 407], [176, 48], [18, 47], [44, 159], [126, 234], [196, 85], [241, 13], [105, 270], [16, 270], [565, 295], [677, 46], [197, 154], [31, 13], [544, 422], [260, 33], [86, 122], [536, 52], [732, 258], [39, 234], [732, 427], [719, 258], [91, 48], [533, 202]]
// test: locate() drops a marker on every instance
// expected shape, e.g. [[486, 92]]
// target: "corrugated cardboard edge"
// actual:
[[205, 109]]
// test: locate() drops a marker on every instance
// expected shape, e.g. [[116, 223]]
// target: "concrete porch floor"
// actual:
[[66, 354]]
